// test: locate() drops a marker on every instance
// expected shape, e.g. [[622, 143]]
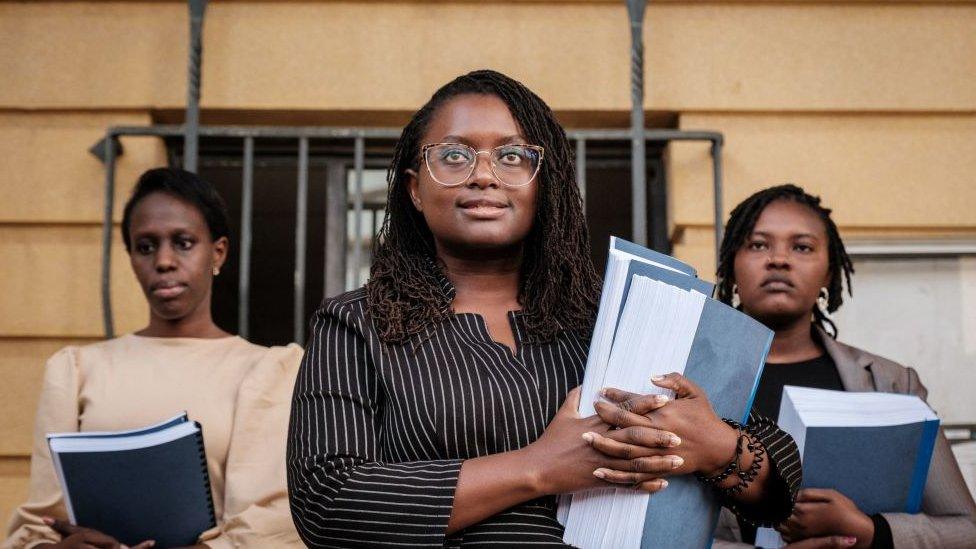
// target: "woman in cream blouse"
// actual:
[[176, 232]]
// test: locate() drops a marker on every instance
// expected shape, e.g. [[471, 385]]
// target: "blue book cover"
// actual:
[[617, 243], [147, 484], [726, 361]]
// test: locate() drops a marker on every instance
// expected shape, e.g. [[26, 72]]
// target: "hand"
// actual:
[[80, 537], [706, 442], [564, 460], [829, 542], [827, 513]]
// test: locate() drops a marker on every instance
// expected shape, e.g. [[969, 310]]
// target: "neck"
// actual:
[[794, 343], [483, 280], [198, 324]]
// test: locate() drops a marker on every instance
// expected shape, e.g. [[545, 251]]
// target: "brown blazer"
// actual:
[[948, 517]]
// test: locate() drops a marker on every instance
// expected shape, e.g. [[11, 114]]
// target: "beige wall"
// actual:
[[872, 104]]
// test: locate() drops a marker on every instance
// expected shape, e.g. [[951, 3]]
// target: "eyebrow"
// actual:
[[797, 235], [515, 138]]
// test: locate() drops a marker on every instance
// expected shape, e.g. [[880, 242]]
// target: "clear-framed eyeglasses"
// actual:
[[451, 164]]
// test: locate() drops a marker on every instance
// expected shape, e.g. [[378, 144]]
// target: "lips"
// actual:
[[483, 208], [777, 283], [167, 289]]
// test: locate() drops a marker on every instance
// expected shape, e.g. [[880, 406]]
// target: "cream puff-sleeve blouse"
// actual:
[[239, 392]]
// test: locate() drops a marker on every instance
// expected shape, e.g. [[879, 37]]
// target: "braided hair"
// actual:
[[743, 221], [559, 286]]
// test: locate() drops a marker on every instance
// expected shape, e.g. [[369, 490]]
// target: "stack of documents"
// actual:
[[874, 448], [656, 317]]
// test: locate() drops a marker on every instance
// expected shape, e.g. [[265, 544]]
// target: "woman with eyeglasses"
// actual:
[[783, 262], [176, 231], [436, 405]]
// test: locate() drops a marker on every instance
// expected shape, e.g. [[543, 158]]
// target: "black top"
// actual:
[[379, 431], [818, 373]]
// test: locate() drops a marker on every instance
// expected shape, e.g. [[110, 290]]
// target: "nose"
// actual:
[[165, 259], [482, 176], [779, 258]]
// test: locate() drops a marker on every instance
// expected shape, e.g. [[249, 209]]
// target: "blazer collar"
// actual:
[[854, 367]]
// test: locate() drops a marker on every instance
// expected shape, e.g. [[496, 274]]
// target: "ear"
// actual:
[[413, 186], [220, 250]]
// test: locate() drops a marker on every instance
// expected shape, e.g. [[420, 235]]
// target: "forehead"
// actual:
[[475, 118], [786, 218], [161, 211]]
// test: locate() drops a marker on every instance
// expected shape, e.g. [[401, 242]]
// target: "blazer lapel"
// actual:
[[854, 368]]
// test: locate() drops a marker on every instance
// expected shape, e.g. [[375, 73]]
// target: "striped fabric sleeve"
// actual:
[[341, 491], [784, 477]]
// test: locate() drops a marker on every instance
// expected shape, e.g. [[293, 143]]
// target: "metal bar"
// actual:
[[357, 252], [107, 226], [301, 215], [717, 192], [336, 206], [192, 123], [635, 11], [247, 207], [581, 169]]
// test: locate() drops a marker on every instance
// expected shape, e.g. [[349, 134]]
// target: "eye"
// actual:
[[144, 247], [756, 245], [512, 156], [183, 243], [803, 248], [455, 156]]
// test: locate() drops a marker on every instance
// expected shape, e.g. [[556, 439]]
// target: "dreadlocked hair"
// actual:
[[743, 221], [559, 287]]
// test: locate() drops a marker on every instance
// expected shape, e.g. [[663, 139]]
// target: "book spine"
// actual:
[[930, 431], [202, 452]]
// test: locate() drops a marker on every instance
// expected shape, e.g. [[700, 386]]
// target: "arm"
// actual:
[[57, 411], [255, 494], [948, 517]]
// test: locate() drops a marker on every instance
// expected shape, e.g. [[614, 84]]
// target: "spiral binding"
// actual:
[[206, 473]]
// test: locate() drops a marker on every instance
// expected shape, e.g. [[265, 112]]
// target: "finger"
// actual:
[[62, 527], [815, 494], [571, 404], [830, 542], [642, 404], [145, 544], [682, 386], [613, 448], [617, 395], [652, 486], [645, 436], [628, 478], [99, 539], [615, 415]]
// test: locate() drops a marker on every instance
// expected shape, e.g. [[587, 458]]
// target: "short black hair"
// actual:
[[559, 288], [743, 220], [186, 186]]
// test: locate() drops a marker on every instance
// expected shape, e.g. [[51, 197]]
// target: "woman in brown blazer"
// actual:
[[782, 261]]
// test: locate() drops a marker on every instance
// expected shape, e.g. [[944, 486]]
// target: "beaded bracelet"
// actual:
[[734, 467]]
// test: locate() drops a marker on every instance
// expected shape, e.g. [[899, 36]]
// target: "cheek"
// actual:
[[748, 271]]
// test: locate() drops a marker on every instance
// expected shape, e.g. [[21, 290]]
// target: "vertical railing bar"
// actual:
[[635, 11], [581, 169], [247, 206], [336, 206], [301, 214], [197, 10], [717, 191], [357, 252], [107, 225]]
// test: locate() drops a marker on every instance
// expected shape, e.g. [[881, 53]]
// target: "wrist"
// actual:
[[534, 479], [723, 449], [863, 530]]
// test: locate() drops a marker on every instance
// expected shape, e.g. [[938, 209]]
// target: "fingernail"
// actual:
[[661, 399], [599, 473], [676, 462], [603, 392], [657, 378], [675, 440], [850, 540], [588, 437], [48, 520], [663, 484]]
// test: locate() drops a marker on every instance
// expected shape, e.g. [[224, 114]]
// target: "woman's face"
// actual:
[[481, 214], [173, 255], [783, 264]]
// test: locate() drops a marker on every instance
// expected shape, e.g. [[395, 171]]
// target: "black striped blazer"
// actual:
[[378, 432]]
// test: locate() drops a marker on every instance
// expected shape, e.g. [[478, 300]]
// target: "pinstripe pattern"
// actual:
[[378, 432]]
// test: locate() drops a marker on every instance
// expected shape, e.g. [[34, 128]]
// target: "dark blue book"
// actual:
[[149, 483], [840, 436]]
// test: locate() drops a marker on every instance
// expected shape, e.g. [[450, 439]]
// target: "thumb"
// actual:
[[571, 404], [145, 544], [830, 542]]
